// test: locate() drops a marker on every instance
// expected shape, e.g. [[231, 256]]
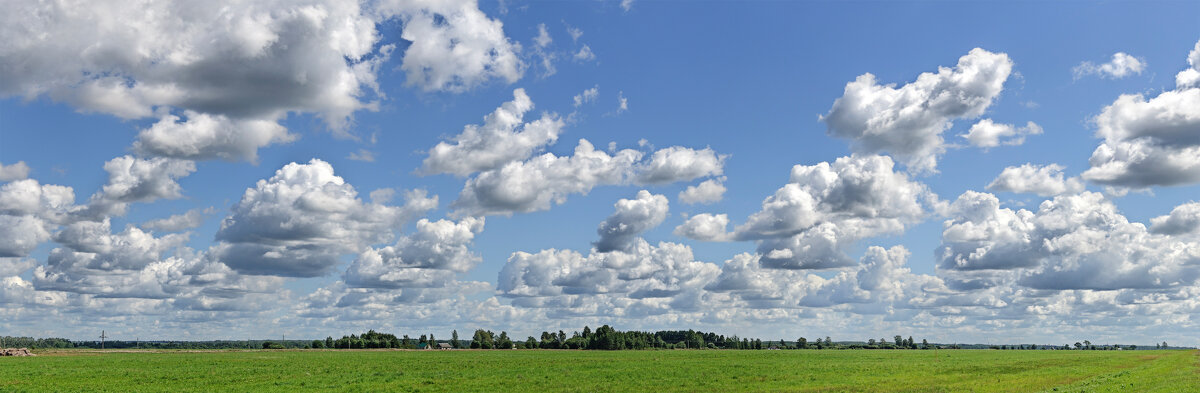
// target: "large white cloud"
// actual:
[[300, 220], [138, 180], [220, 75], [632, 217], [29, 212], [1149, 142], [428, 258], [823, 210], [908, 121], [501, 139], [1184, 219], [454, 46], [536, 183], [708, 191], [1043, 180], [1072, 242]]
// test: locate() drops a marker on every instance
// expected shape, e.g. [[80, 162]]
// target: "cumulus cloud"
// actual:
[[626, 5], [1121, 65], [1149, 142], [824, 208], [632, 217], [298, 222], [708, 191], [502, 138], [534, 184], [220, 75], [29, 212], [705, 227], [1184, 219], [1190, 77], [1073, 242], [908, 121], [454, 46], [138, 180], [12, 172], [428, 258], [677, 163], [987, 134], [540, 44], [1047, 180], [622, 102]]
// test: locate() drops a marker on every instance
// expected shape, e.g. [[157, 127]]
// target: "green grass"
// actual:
[[591, 371]]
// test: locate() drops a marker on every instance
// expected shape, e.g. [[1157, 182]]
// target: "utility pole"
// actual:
[[102, 337]]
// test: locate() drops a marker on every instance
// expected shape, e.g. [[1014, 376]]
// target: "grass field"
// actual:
[[590, 371]]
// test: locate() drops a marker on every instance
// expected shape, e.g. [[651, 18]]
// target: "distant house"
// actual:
[[444, 346]]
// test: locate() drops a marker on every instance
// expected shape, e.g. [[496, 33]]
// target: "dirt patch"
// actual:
[[16, 352]]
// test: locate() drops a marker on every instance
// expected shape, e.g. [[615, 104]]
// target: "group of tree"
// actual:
[[603, 338]]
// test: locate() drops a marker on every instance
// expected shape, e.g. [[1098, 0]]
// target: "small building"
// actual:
[[444, 346]]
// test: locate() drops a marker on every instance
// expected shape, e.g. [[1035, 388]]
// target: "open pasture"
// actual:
[[589, 371]]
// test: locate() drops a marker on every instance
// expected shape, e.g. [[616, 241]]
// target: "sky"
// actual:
[[961, 172]]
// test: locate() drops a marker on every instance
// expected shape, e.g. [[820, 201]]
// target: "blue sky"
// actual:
[[849, 204]]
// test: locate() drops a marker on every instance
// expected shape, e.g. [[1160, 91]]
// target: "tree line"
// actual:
[[603, 338]]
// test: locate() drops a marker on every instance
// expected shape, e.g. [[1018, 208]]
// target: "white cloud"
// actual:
[[587, 96], [178, 222], [1121, 65], [543, 39], [1149, 142], [574, 32], [426, 259], [1072, 242], [138, 180], [585, 54], [220, 75], [455, 46], [708, 191], [705, 227], [632, 217], [626, 5], [810, 222], [1184, 219], [1190, 77], [503, 138], [908, 122], [677, 163], [298, 222], [1047, 180], [534, 184], [987, 134], [12, 172], [21, 235], [622, 102]]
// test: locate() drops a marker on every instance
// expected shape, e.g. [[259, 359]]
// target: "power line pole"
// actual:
[[102, 337]]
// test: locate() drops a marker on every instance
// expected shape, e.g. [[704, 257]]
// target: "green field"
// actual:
[[589, 371]]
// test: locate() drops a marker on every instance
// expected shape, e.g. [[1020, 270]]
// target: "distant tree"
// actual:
[[328, 341], [1088, 345], [1078, 346], [587, 332], [924, 344], [271, 345], [454, 339], [504, 342], [317, 344], [802, 343], [531, 343], [899, 341], [871, 342], [432, 341], [1133, 347], [1165, 346]]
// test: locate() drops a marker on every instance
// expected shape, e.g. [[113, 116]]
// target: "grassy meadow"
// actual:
[[592, 371]]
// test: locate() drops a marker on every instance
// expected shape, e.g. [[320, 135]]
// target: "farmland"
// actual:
[[549, 370]]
